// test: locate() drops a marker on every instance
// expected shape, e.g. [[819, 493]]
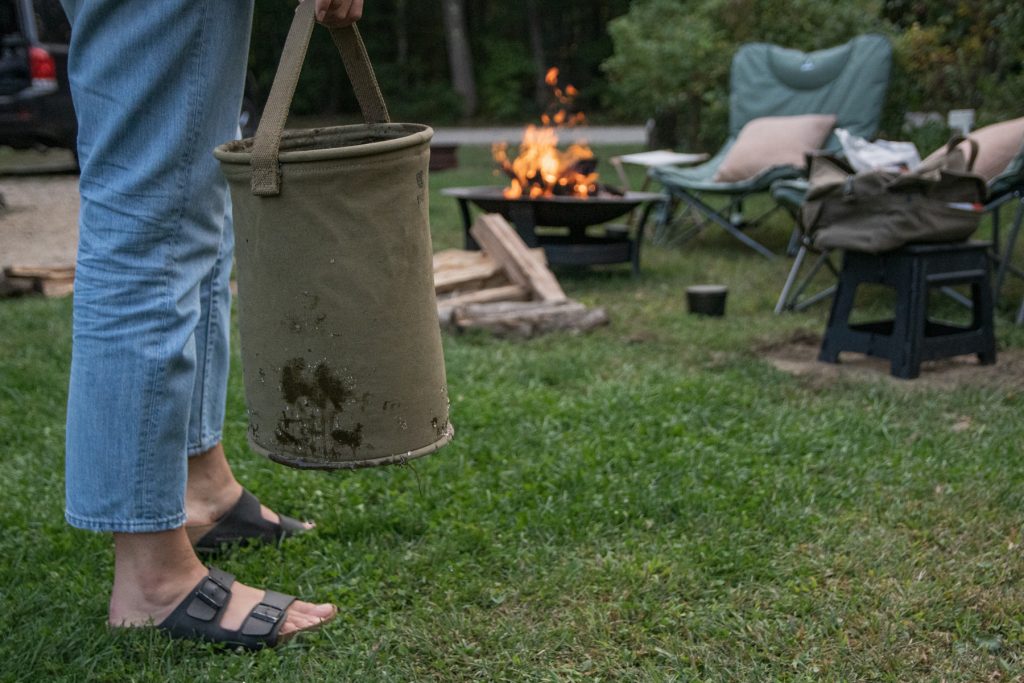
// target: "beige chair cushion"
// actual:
[[997, 145], [774, 141]]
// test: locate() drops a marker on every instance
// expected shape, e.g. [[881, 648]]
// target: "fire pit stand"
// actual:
[[569, 245]]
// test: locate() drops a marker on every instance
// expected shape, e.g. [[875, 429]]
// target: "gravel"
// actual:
[[39, 225]]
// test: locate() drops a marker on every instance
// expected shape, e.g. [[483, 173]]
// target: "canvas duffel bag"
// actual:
[[341, 348], [876, 211]]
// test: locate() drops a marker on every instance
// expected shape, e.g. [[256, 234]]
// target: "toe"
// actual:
[[306, 617], [274, 518]]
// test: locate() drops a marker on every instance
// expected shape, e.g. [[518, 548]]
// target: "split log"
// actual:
[[446, 306], [467, 278], [41, 272], [459, 270], [500, 240], [51, 281], [51, 287], [450, 259], [55, 288], [524, 320]]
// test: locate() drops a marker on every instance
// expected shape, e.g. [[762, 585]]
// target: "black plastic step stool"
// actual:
[[910, 337]]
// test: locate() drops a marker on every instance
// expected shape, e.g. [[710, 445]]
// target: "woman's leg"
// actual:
[[156, 87]]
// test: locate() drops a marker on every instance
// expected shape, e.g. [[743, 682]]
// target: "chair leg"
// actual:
[[1006, 255], [783, 303], [721, 221], [795, 241], [824, 259], [790, 298]]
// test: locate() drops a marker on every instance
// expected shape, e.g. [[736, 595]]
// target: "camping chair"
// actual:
[[789, 194], [848, 81], [1004, 189]]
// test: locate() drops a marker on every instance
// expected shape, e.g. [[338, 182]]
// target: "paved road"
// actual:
[[603, 135]]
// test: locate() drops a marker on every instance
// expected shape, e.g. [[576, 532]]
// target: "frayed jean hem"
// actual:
[[205, 444], [125, 527]]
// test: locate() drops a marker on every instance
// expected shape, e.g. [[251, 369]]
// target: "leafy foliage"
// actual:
[[674, 55], [669, 58], [954, 54]]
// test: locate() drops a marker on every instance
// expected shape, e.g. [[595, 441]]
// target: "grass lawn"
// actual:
[[650, 502]]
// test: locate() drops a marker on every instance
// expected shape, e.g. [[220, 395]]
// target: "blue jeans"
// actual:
[[156, 86]]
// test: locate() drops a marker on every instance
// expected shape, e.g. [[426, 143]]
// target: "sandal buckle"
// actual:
[[267, 613], [212, 593]]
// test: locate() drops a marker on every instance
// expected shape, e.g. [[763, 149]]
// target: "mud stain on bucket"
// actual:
[[324, 386], [351, 438], [316, 396]]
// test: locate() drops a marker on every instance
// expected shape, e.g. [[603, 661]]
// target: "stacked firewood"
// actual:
[[53, 281], [506, 288]]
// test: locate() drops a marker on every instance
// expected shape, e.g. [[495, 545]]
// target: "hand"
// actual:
[[338, 13]]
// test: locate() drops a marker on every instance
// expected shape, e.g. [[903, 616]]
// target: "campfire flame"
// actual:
[[541, 169]]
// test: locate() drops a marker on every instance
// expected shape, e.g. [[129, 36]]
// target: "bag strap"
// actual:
[[265, 166], [971, 142]]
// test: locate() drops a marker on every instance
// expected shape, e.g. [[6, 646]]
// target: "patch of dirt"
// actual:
[[39, 225], [798, 356]]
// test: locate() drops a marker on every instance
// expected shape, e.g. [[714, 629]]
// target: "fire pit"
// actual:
[[566, 219], [558, 190]]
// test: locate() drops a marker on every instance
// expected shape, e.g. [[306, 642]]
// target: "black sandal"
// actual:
[[197, 617], [244, 523]]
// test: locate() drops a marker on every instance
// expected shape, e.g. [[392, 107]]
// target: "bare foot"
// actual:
[[154, 572], [212, 491]]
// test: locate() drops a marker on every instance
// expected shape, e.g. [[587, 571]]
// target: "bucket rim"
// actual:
[[417, 134], [394, 459]]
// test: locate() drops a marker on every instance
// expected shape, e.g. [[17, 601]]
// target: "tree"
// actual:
[[669, 57], [460, 57]]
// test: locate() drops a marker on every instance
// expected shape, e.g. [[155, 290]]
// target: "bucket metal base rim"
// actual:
[[397, 459]]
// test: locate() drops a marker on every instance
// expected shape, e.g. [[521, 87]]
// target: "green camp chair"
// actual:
[[789, 194], [848, 81], [1006, 188]]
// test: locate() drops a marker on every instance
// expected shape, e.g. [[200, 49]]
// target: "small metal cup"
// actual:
[[707, 299]]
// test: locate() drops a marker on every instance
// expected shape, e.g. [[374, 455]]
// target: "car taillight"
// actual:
[[41, 66]]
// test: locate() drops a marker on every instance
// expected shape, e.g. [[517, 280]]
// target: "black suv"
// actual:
[[35, 100]]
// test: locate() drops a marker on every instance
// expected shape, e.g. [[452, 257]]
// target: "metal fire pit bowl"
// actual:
[[572, 245]]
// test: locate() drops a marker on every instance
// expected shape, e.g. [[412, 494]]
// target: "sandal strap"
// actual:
[[245, 522], [266, 618], [210, 595], [198, 616]]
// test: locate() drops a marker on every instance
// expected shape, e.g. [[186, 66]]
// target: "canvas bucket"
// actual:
[[341, 348]]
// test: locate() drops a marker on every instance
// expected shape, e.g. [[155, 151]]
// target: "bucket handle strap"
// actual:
[[266, 169]]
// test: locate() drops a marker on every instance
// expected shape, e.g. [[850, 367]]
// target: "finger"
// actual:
[[343, 13], [322, 6]]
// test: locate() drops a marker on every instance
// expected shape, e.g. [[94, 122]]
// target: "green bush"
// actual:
[[956, 55], [673, 56], [506, 86], [670, 61]]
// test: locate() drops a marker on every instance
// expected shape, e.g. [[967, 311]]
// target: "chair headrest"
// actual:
[[808, 70]]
